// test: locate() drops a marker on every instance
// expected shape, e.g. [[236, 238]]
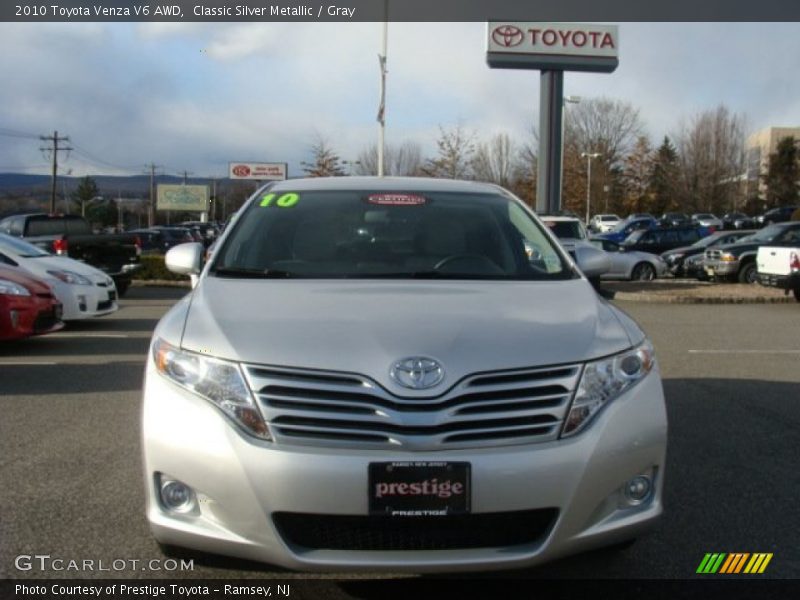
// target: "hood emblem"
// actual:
[[417, 373]]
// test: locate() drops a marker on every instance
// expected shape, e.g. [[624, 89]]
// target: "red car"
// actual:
[[27, 305]]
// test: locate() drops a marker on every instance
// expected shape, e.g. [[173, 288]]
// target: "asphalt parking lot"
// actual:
[[70, 461]]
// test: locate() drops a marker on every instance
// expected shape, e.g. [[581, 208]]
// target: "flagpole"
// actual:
[[382, 108]]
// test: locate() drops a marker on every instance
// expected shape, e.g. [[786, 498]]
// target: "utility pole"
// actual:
[[589, 156], [151, 209], [186, 176], [382, 106], [54, 139]]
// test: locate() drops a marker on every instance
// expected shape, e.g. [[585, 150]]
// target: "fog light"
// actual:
[[177, 496], [82, 303], [638, 489]]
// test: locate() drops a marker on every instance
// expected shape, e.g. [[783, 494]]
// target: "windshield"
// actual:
[[362, 234], [20, 247], [767, 234]]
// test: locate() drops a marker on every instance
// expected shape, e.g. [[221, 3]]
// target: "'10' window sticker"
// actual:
[[283, 201]]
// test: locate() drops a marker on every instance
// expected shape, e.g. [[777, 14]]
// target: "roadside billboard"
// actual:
[[182, 197], [257, 171]]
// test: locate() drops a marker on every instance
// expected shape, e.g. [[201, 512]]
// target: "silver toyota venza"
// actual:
[[401, 374]]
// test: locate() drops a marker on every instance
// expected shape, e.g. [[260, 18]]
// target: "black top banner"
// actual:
[[399, 10]]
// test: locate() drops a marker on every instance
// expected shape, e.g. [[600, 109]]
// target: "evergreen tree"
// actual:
[[86, 193], [783, 174], [664, 178], [326, 162]]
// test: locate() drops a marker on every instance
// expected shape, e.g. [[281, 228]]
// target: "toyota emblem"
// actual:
[[417, 373], [507, 36]]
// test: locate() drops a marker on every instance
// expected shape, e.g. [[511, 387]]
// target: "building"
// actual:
[[758, 147]]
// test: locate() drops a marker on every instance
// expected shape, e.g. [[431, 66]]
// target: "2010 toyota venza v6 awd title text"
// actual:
[[398, 374]]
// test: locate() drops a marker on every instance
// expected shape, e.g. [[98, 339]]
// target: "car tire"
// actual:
[[643, 272], [748, 273], [796, 294], [122, 287]]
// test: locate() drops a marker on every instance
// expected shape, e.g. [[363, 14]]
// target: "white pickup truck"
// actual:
[[780, 267]]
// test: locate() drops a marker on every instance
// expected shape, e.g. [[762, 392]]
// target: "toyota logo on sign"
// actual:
[[241, 170], [507, 36]]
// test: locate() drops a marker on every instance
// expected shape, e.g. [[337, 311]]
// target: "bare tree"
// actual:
[[494, 160], [325, 160], [637, 174], [525, 165], [712, 159], [402, 160], [456, 147]]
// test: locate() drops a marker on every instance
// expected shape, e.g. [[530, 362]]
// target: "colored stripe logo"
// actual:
[[734, 563]]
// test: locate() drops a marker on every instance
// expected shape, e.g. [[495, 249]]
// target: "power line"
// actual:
[[99, 161], [5, 132]]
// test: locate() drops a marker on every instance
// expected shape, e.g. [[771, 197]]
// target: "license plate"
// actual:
[[710, 270], [416, 489]]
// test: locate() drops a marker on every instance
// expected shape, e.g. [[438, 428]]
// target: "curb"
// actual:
[[160, 283]]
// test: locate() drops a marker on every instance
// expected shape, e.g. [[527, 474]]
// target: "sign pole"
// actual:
[[548, 180]]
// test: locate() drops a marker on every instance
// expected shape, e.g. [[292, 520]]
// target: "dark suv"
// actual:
[[662, 239], [779, 214]]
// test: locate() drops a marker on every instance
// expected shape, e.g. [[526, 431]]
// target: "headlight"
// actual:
[[70, 277], [9, 288], [218, 381], [726, 257], [603, 380]]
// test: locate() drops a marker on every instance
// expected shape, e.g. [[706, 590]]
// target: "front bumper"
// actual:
[[85, 301], [241, 483], [25, 316], [715, 268]]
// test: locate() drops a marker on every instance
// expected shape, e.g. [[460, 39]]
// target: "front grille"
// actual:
[[383, 533], [349, 410], [713, 255], [104, 305]]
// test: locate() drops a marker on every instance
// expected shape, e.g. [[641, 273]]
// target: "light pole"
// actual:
[[589, 156], [567, 100]]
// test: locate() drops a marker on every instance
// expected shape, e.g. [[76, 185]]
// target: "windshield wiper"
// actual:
[[242, 273]]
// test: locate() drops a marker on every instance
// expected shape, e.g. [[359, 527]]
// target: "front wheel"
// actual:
[[643, 272], [748, 273], [796, 293]]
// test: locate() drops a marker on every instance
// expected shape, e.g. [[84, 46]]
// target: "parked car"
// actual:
[[677, 257], [737, 220], [603, 223], [71, 235], [84, 292], [634, 265], [372, 373], [674, 219], [661, 239], [709, 220], [737, 261], [570, 231], [780, 267], [625, 228], [208, 231], [27, 305], [780, 214]]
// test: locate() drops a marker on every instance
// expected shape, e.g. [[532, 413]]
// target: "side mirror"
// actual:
[[185, 259], [592, 262]]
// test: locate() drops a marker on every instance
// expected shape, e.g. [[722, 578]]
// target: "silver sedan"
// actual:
[[630, 264]]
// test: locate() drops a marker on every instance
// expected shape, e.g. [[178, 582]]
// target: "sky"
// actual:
[[196, 96]]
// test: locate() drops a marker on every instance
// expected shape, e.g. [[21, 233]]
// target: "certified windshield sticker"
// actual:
[[282, 201], [396, 199]]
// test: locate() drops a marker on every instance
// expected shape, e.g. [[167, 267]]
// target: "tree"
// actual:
[[605, 126], [493, 161], [636, 175], [402, 160], [455, 150], [783, 174], [325, 160], [86, 194], [664, 178], [712, 159]]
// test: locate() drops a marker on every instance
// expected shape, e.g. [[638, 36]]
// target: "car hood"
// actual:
[[42, 264], [25, 279], [365, 327]]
